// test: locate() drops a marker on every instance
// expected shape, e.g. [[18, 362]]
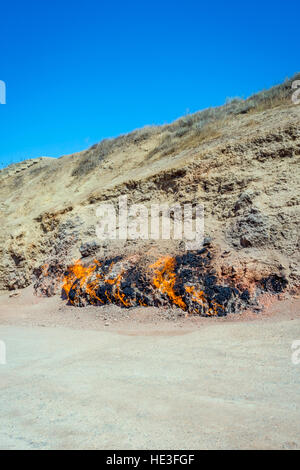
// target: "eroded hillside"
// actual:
[[240, 160]]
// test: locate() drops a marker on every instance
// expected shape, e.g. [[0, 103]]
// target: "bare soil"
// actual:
[[110, 378], [24, 308]]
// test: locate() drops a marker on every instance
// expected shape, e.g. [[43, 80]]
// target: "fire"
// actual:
[[118, 295], [199, 297], [164, 279], [79, 276], [44, 269], [100, 284], [82, 274]]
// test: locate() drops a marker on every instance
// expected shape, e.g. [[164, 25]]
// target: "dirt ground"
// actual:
[[109, 378]]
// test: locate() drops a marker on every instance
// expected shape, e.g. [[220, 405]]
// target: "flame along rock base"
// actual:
[[187, 281]]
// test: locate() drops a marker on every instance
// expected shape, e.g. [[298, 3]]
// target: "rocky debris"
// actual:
[[274, 283], [89, 248], [251, 229], [14, 294], [244, 200], [48, 277], [207, 241]]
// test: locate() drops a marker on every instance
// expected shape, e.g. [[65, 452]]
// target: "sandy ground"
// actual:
[[108, 378]]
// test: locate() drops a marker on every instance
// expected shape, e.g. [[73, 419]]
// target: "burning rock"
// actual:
[[187, 281]]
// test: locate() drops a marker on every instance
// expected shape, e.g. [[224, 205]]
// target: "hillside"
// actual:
[[240, 160]]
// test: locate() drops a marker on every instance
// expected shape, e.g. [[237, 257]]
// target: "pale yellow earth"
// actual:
[[84, 379]]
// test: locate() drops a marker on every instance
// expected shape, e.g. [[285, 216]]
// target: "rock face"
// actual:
[[240, 160]]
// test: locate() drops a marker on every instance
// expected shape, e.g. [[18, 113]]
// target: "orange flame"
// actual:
[[164, 279], [199, 297], [44, 269], [78, 272], [118, 295], [82, 274]]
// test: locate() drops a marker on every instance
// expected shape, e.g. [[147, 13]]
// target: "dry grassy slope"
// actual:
[[244, 167]]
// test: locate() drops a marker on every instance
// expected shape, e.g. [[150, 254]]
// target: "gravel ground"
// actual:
[[147, 385]]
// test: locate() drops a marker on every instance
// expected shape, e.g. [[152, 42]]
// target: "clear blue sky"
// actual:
[[77, 72]]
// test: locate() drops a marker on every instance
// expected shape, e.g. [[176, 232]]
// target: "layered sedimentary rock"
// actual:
[[240, 161]]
